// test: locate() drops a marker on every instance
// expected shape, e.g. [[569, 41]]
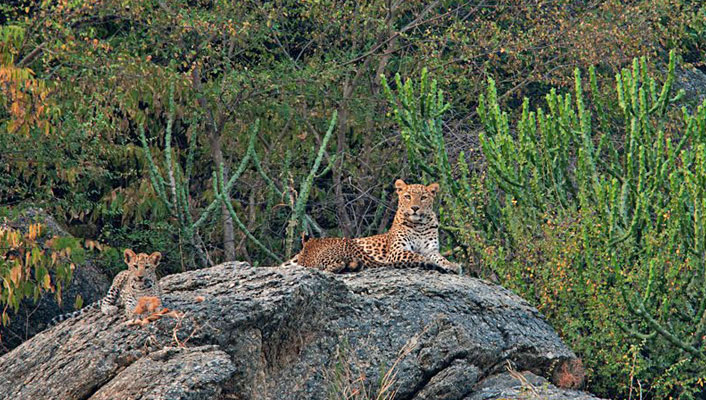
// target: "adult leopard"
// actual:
[[339, 254], [413, 238]]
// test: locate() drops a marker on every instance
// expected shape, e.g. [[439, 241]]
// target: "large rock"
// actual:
[[31, 318], [274, 333]]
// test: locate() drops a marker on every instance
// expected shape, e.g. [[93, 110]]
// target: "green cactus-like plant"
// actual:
[[172, 190], [171, 187], [299, 220], [647, 186], [418, 109]]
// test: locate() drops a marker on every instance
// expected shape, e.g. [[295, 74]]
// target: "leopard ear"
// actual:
[[400, 185], [155, 257], [129, 256], [433, 188]]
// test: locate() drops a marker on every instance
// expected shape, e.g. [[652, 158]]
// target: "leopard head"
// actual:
[[415, 203], [143, 266]]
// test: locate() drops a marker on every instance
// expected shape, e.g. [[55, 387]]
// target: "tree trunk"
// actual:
[[215, 129], [342, 214], [228, 233]]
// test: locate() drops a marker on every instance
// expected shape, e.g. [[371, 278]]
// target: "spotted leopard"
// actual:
[[339, 254], [414, 234], [138, 281], [412, 241]]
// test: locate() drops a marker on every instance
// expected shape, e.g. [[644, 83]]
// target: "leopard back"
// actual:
[[329, 254], [343, 254]]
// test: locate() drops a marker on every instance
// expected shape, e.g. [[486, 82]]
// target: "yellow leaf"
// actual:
[[92, 245], [47, 282], [16, 274], [8, 287], [79, 302]]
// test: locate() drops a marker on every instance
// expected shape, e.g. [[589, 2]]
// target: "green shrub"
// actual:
[[593, 211], [30, 267], [603, 227]]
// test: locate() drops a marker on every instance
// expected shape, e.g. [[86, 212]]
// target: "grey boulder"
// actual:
[[275, 333]]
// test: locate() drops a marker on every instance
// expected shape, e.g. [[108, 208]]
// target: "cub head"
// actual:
[[142, 265], [415, 202]]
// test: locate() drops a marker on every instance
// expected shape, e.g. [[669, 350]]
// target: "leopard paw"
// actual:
[[455, 268]]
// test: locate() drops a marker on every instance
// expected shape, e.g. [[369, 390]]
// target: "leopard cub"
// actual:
[[129, 286]]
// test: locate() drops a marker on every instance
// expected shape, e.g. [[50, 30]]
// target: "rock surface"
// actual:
[[523, 386], [274, 333], [31, 318], [693, 81]]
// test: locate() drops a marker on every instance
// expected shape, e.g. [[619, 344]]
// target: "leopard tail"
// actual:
[[64, 317]]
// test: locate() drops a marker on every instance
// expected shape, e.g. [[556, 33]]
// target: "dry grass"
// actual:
[[345, 384]]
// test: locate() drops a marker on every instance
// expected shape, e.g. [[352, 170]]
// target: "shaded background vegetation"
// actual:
[[80, 79]]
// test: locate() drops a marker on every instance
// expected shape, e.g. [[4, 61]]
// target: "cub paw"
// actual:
[[109, 310]]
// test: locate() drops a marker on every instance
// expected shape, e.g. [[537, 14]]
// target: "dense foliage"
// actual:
[[620, 264], [212, 130], [32, 265]]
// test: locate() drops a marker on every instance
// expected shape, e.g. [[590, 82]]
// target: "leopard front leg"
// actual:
[[130, 302], [430, 250], [407, 258], [333, 266], [109, 303], [440, 260]]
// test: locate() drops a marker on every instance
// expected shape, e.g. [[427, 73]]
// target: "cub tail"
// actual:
[[64, 317]]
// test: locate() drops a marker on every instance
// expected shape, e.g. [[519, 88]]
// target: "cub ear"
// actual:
[[433, 188], [128, 256], [155, 257], [400, 185]]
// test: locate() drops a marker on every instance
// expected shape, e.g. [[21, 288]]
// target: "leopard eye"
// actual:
[[408, 197], [424, 198]]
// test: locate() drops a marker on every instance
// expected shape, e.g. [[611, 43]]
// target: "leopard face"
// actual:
[[142, 267], [415, 202]]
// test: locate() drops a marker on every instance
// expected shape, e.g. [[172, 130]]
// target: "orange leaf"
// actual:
[[16, 274]]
